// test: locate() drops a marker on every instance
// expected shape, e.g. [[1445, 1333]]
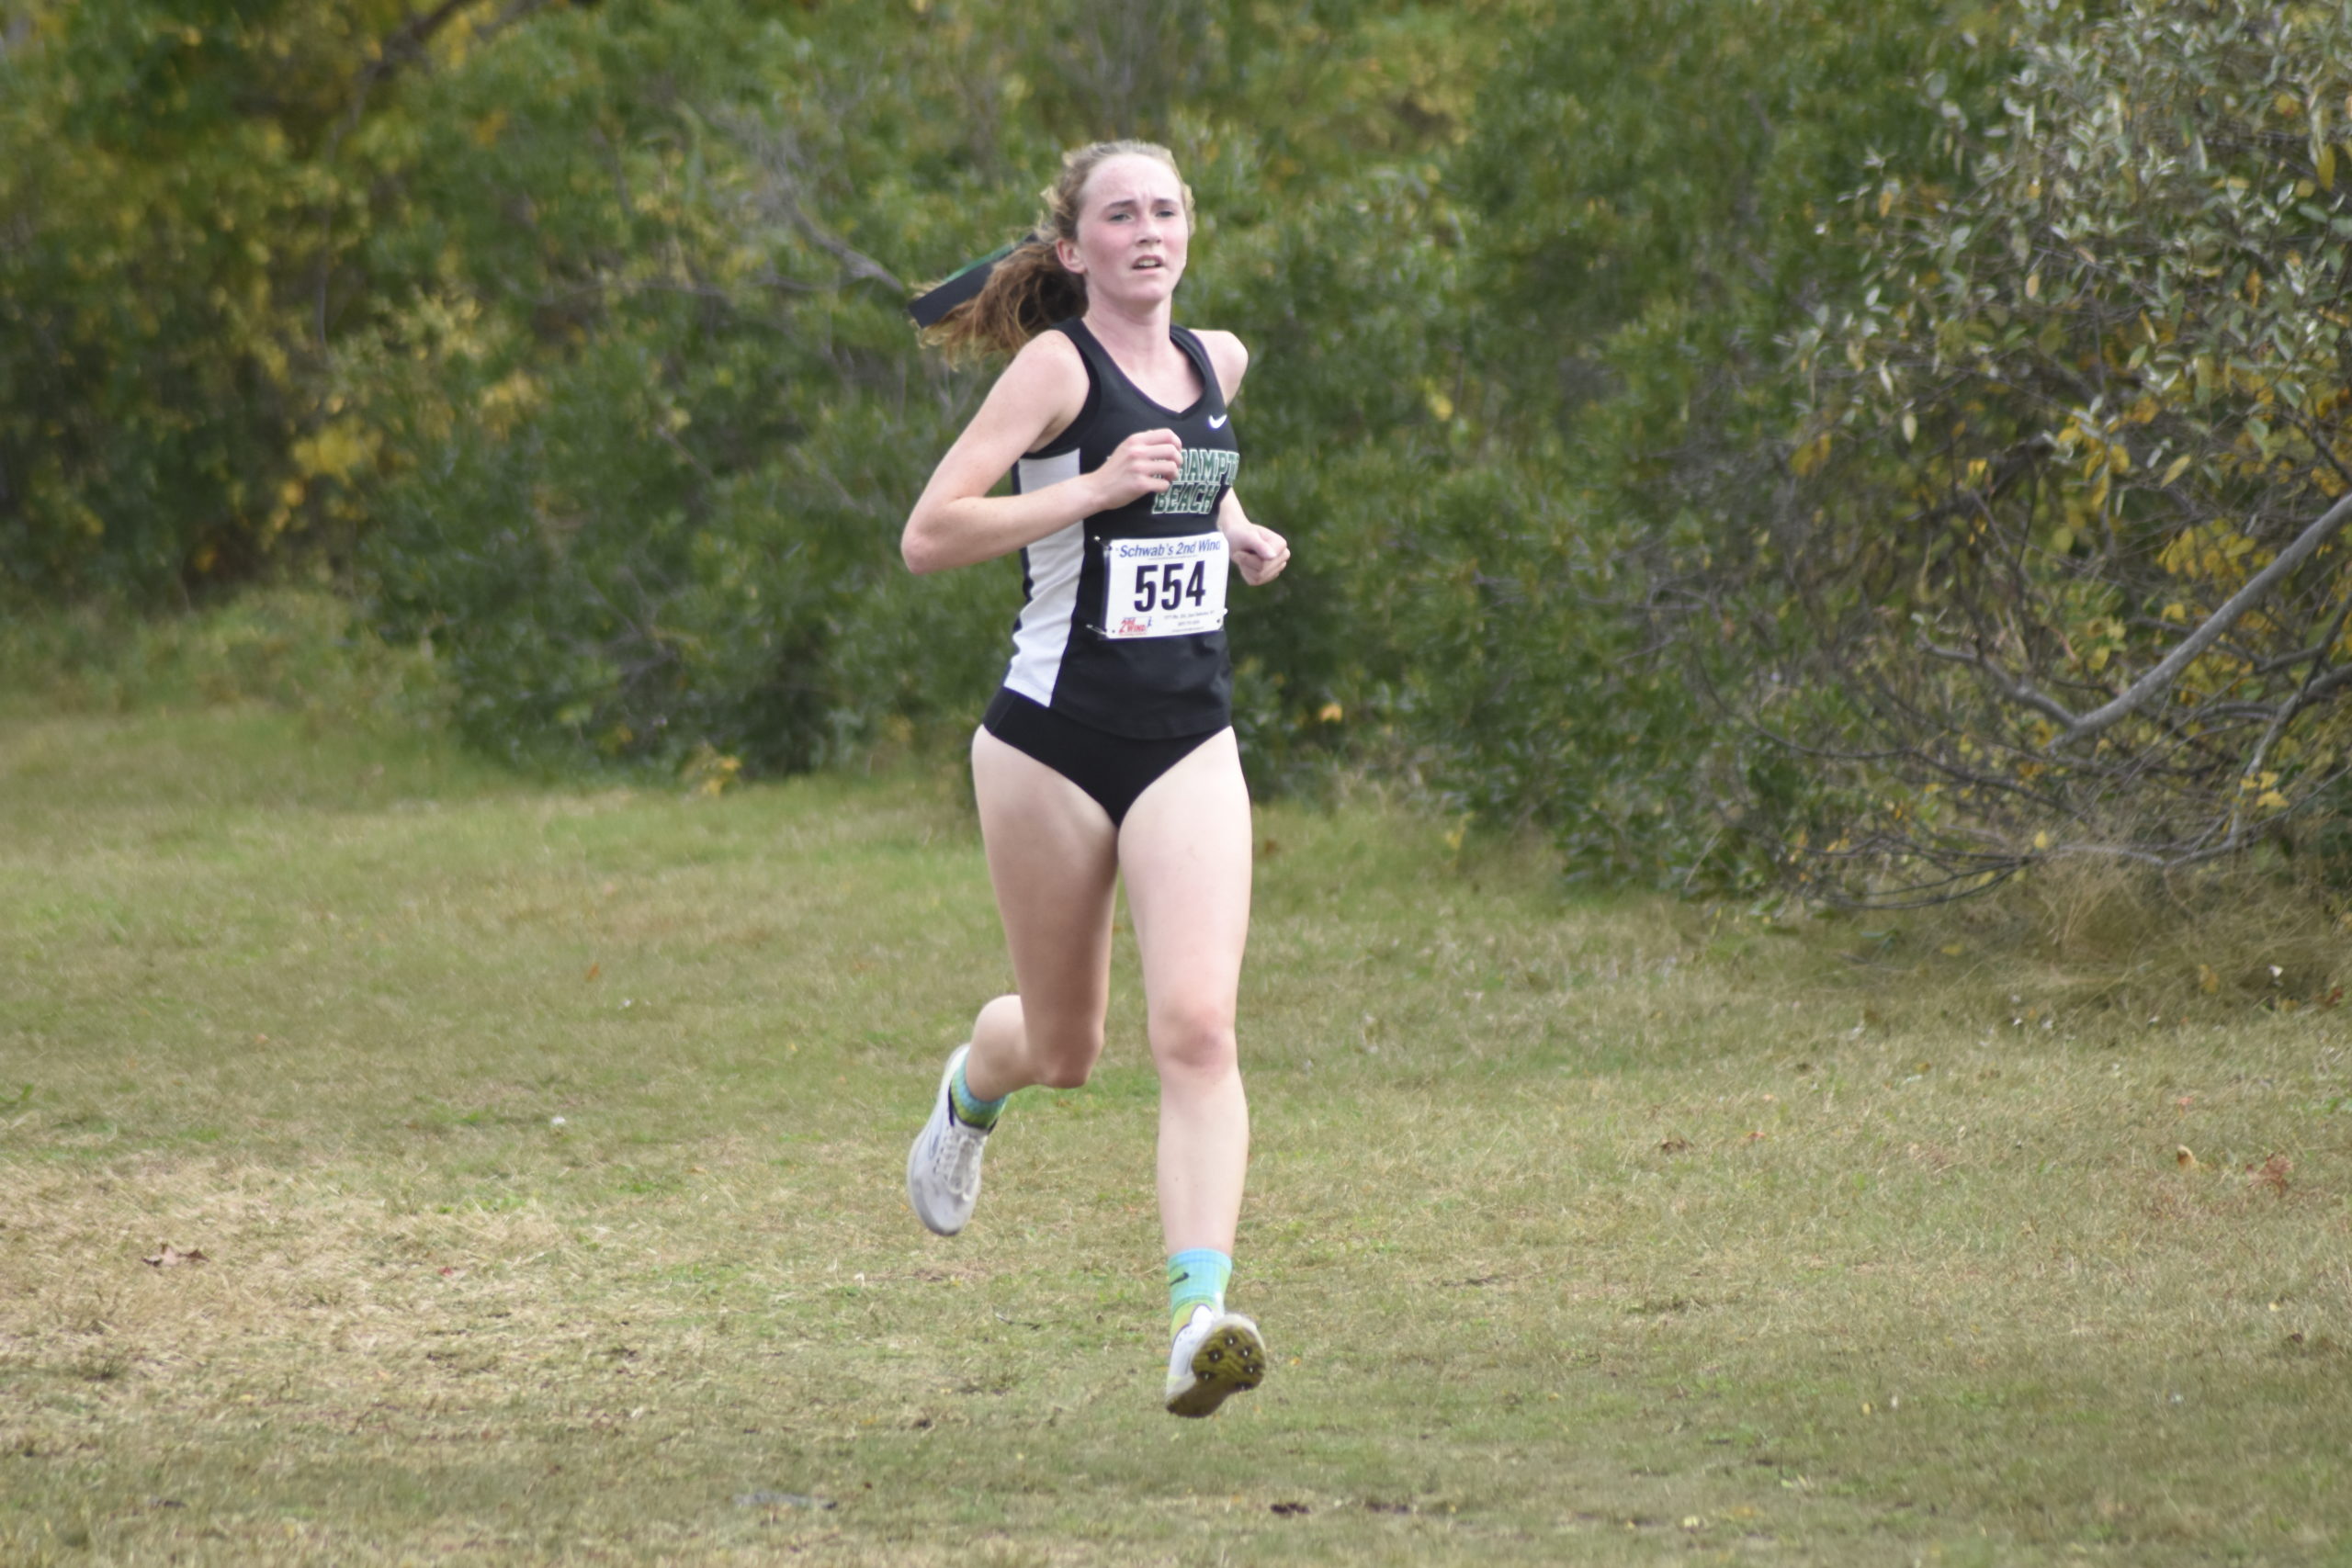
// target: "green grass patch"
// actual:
[[544, 1145]]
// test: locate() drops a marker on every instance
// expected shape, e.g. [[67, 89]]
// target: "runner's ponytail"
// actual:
[[1025, 290], [1001, 301]]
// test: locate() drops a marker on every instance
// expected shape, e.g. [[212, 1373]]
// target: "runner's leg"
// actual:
[[1184, 852], [1052, 858]]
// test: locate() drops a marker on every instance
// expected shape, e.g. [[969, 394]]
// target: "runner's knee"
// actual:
[[1058, 1052], [1063, 1056], [1194, 1041]]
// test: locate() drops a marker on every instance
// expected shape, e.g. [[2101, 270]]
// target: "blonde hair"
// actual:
[[1030, 289]]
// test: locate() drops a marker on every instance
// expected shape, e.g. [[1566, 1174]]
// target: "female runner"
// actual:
[[1109, 752]]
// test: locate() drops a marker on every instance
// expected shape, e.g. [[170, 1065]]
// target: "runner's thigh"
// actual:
[[1053, 860], [1184, 851]]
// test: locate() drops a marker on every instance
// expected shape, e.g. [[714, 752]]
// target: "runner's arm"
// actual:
[[1260, 553], [956, 522]]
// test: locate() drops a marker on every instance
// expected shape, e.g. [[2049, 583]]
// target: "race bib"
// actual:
[[1164, 587]]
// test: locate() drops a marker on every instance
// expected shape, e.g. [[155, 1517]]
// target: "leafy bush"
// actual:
[[1645, 189], [2068, 535]]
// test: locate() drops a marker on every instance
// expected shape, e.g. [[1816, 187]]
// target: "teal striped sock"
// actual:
[[1196, 1277], [970, 1109]]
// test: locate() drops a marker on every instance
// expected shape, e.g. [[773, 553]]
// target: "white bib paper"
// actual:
[[1164, 587]]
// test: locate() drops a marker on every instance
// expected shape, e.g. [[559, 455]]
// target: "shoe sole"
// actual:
[[914, 1149], [1231, 1361]]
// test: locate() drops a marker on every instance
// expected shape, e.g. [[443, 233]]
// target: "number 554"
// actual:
[[1169, 585]]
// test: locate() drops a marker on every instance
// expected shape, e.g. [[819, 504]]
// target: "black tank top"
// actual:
[[1123, 626]]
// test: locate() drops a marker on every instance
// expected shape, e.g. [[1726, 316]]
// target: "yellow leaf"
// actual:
[[2326, 170], [339, 447], [2178, 466], [2042, 841], [2207, 981], [2033, 286], [1331, 713], [2272, 800]]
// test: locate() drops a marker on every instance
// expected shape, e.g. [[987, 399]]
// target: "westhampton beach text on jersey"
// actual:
[[1206, 471]]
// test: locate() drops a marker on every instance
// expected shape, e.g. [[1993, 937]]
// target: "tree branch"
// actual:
[[779, 151], [2016, 688], [2168, 670]]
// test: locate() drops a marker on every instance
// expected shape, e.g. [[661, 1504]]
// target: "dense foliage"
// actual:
[[2068, 535], [569, 339]]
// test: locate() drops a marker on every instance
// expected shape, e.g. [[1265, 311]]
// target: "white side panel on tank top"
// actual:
[[1042, 635]]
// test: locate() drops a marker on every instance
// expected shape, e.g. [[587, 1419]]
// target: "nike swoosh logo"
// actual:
[[1216, 420]]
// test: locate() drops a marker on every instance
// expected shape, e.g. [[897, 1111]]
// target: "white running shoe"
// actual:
[[1216, 1354], [943, 1166]]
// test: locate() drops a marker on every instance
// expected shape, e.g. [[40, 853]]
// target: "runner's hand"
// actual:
[[1260, 553], [1144, 463]]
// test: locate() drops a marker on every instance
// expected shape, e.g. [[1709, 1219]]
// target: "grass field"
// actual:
[[543, 1146]]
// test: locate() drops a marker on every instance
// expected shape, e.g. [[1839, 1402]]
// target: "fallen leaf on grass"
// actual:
[[172, 1257], [2182, 1157], [2272, 1173], [1674, 1146]]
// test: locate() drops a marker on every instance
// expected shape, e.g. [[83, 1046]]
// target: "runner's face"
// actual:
[[1131, 231]]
